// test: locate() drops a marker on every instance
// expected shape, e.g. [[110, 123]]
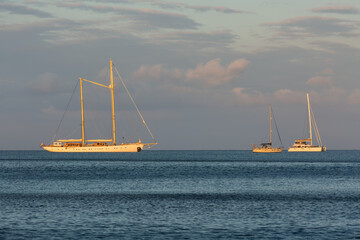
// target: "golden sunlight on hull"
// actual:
[[307, 149], [130, 147], [267, 150]]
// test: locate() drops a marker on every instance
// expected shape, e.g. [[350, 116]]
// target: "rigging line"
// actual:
[[316, 129], [70, 134], [134, 104], [314, 125], [277, 130], [129, 118], [62, 118]]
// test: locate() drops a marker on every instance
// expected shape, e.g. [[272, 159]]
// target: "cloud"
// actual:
[[158, 18], [249, 96], [354, 97], [314, 25], [23, 10], [327, 71], [199, 39], [46, 83], [188, 41], [176, 5], [213, 73], [219, 9], [51, 110], [144, 16], [45, 25], [288, 96], [320, 81], [324, 79], [157, 72], [328, 96], [336, 9]]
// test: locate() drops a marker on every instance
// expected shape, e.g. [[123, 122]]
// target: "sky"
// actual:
[[202, 72]]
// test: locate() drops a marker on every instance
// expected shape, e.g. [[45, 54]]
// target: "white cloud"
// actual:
[[289, 96], [320, 81], [213, 73], [249, 97]]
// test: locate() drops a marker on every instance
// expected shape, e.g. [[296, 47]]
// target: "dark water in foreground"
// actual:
[[180, 195]]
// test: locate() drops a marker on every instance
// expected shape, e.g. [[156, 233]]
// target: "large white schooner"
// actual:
[[306, 145], [99, 145]]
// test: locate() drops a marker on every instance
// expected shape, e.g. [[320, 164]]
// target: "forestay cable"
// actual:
[[132, 100], [277, 130], [62, 118]]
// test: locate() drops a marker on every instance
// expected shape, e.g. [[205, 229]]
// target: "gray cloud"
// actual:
[[23, 10], [160, 19], [189, 41], [43, 26], [45, 84], [314, 25], [336, 9], [147, 17], [168, 5]]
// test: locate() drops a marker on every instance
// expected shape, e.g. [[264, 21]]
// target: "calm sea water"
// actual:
[[180, 195]]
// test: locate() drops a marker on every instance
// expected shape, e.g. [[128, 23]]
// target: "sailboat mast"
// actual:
[[270, 124], [112, 101], [309, 110], [82, 114]]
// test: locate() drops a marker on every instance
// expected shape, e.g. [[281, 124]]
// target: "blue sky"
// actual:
[[202, 72]]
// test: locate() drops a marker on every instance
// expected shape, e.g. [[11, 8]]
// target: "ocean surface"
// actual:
[[180, 195]]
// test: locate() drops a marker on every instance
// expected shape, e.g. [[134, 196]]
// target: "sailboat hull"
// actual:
[[130, 147], [267, 150], [307, 149]]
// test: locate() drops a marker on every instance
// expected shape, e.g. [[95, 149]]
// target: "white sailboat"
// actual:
[[306, 145], [99, 145], [267, 147]]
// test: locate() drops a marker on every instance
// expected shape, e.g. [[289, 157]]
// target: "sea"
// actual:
[[180, 195]]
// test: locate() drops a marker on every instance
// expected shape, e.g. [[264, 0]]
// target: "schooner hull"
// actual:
[[267, 150], [130, 147], [307, 149]]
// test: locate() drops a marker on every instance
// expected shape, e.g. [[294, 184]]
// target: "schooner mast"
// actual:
[[112, 101], [111, 87]]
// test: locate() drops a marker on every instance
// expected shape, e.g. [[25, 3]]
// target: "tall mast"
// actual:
[[308, 102], [112, 100], [270, 124], [82, 114]]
